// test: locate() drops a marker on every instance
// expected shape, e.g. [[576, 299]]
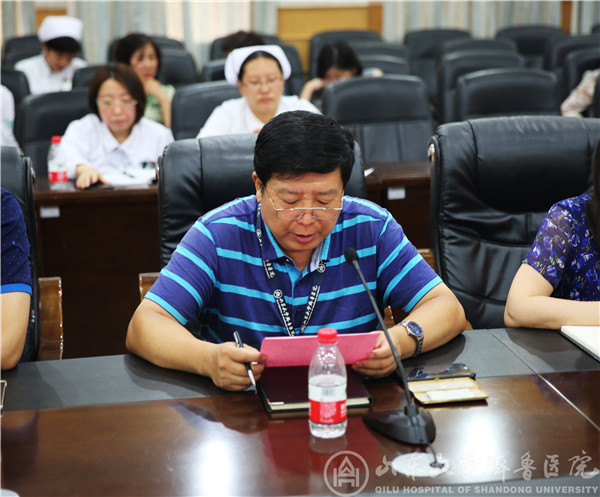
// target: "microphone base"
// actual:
[[415, 429]]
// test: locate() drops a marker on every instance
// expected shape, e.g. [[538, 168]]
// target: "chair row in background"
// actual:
[[390, 116], [542, 47]]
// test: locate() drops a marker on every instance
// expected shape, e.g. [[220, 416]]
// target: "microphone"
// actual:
[[410, 425]]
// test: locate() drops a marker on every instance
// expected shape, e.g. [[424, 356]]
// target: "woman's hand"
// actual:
[[86, 176], [310, 87]]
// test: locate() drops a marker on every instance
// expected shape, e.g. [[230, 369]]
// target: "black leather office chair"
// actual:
[[319, 40], [196, 176], [193, 104], [595, 28], [370, 47], [40, 117], [387, 63], [294, 84], [453, 65], [16, 82], [476, 44], [216, 46], [9, 60], [178, 67], [492, 182], [213, 70], [423, 49], [579, 61], [556, 52], [82, 77], [507, 91], [531, 40], [29, 43], [44, 333], [389, 116]]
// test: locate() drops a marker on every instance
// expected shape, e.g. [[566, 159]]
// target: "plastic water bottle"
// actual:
[[327, 388], [57, 170]]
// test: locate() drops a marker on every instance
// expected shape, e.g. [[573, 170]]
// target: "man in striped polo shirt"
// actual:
[[273, 265]]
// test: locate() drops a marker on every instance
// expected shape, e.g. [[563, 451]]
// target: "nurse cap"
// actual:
[[60, 26], [236, 58]]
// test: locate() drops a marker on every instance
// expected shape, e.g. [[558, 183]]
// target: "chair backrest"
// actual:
[[294, 84], [507, 91], [16, 82], [9, 60], [216, 46], [213, 70], [579, 61], [178, 68], [389, 116], [556, 53], [476, 44], [196, 176], [82, 77], [29, 44], [595, 28], [193, 104], [40, 117], [531, 40], [370, 47], [161, 41], [319, 40], [387, 63], [423, 49], [492, 182], [17, 177], [453, 65]]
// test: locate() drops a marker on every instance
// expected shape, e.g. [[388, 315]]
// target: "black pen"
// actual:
[[239, 343]]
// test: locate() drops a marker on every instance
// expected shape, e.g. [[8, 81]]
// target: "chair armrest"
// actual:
[[50, 319], [146, 280]]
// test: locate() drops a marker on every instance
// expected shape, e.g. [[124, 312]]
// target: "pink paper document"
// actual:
[[298, 351]]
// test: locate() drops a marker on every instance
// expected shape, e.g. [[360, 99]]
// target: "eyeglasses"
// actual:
[[257, 85], [109, 103], [296, 213]]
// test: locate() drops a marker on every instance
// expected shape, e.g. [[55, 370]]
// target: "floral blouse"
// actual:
[[565, 253]]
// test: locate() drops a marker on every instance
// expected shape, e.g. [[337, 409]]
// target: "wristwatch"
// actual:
[[414, 330]]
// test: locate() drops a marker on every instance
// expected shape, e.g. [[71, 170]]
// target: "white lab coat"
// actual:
[[8, 118], [42, 79], [234, 116], [89, 141]]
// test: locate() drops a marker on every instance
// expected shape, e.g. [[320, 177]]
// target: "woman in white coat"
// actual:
[[260, 72], [114, 144]]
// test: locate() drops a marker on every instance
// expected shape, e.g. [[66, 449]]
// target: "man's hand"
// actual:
[[227, 368], [380, 361]]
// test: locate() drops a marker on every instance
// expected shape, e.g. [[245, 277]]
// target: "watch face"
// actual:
[[414, 328]]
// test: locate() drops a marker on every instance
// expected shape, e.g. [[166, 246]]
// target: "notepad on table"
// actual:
[[586, 337], [286, 389]]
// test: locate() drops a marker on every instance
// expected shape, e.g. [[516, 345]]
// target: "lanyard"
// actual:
[[278, 293]]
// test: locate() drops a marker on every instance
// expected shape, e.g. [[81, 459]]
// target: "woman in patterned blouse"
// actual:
[[559, 280]]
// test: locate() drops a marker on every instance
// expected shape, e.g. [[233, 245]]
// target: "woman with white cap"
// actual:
[[260, 72], [53, 69]]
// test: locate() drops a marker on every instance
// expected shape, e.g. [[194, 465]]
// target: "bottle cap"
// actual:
[[327, 335], [55, 139]]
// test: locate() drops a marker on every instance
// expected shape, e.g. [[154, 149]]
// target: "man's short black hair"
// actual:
[[64, 44], [296, 143]]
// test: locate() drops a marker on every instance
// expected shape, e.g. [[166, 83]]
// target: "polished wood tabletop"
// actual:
[[229, 445]]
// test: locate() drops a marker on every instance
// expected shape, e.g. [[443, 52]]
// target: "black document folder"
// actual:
[[286, 389]]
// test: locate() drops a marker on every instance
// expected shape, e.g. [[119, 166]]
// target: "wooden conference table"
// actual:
[[117, 425]]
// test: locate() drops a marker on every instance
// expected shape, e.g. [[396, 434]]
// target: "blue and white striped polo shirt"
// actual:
[[216, 274]]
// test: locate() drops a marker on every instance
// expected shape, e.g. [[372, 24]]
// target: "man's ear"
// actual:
[[258, 184]]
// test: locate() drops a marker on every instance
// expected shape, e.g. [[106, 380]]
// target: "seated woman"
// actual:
[[259, 72], [580, 99], [559, 280], [114, 142], [336, 62], [142, 54]]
